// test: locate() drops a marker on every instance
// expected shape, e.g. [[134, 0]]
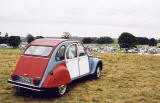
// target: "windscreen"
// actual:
[[38, 50]]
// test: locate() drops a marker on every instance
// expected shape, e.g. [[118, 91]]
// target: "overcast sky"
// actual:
[[80, 17]]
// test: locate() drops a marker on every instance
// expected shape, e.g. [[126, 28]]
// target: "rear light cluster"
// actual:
[[14, 77], [36, 81]]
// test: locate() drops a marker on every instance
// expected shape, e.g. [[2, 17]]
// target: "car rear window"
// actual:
[[38, 50]]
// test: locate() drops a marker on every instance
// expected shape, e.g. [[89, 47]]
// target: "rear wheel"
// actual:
[[61, 90], [97, 73]]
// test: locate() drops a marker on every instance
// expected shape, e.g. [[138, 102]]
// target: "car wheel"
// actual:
[[61, 90], [97, 74]]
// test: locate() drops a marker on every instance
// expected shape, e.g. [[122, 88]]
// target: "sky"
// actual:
[[85, 18]]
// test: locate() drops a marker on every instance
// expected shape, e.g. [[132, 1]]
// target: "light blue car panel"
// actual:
[[93, 62]]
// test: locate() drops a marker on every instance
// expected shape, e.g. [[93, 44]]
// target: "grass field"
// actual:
[[126, 78]]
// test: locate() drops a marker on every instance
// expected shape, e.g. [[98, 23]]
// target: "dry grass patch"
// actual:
[[126, 78]]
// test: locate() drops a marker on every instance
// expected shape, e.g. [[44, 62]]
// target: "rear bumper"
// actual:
[[26, 86]]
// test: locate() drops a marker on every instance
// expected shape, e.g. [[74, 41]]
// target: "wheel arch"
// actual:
[[60, 76], [100, 64], [94, 62]]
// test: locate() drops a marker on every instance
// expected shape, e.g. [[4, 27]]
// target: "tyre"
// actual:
[[61, 90], [97, 73]]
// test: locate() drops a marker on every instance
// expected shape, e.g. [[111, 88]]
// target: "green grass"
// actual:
[[126, 78]]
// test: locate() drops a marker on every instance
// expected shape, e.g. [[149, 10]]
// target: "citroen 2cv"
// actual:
[[53, 63]]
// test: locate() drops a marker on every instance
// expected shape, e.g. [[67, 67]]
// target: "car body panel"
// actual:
[[73, 67], [31, 66], [72, 64], [59, 77], [48, 42], [93, 62], [84, 65]]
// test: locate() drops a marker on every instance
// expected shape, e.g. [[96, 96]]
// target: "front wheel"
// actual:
[[61, 90], [97, 73]]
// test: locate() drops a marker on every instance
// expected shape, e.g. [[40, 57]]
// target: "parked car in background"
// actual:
[[4, 46], [51, 63]]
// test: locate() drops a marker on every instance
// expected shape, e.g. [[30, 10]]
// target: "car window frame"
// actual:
[[68, 49], [64, 53], [85, 53], [38, 55]]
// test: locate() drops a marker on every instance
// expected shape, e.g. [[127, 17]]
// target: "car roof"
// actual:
[[50, 42]]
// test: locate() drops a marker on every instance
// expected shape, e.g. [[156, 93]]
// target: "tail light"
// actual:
[[36, 81], [14, 77]]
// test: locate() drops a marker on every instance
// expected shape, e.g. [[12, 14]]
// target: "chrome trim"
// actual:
[[26, 87], [23, 83]]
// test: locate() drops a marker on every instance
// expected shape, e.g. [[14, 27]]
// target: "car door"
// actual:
[[72, 61], [83, 60]]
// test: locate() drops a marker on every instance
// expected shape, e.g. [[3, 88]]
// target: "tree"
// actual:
[[109, 40], [105, 40], [87, 40], [101, 40], [158, 40], [6, 35], [14, 41], [94, 39], [6, 38], [66, 35], [152, 42], [30, 38], [38, 37], [142, 40], [127, 40], [2, 40]]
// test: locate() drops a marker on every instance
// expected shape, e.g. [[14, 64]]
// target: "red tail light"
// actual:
[[14, 77], [36, 81]]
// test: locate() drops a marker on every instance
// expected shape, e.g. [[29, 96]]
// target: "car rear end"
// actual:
[[30, 68]]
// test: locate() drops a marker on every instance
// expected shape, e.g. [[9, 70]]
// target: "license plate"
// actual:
[[26, 79]]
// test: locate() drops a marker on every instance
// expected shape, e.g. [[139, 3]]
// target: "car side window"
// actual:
[[81, 50], [60, 53], [72, 52]]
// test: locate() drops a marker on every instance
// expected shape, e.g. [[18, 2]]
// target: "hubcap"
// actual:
[[98, 72], [62, 89]]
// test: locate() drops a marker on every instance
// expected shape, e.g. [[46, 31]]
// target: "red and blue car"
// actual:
[[49, 63]]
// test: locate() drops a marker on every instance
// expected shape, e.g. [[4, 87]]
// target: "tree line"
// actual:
[[101, 40], [127, 40], [14, 41]]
